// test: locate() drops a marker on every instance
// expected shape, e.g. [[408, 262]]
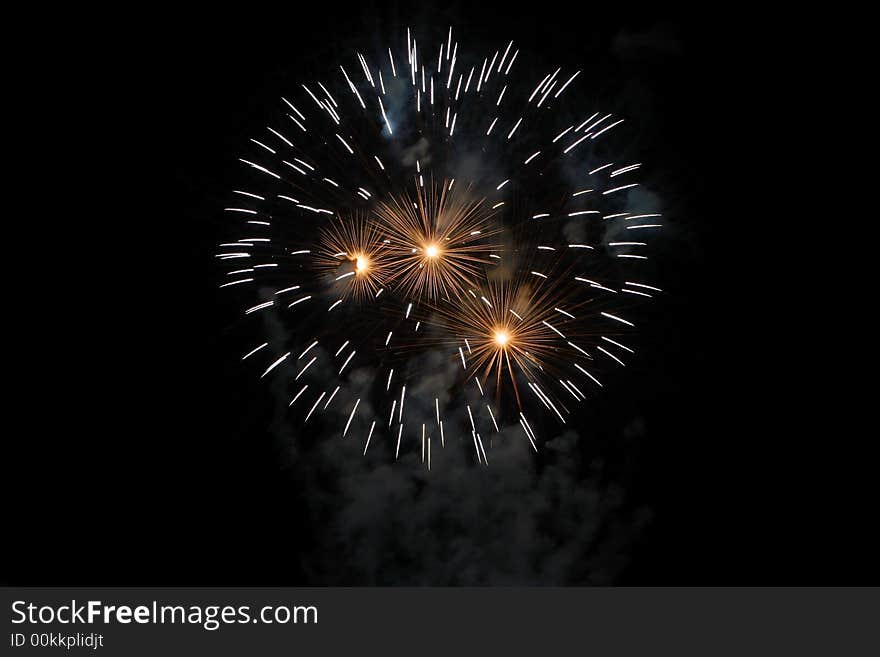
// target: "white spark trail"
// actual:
[[350, 417], [492, 415], [369, 435], [350, 356], [308, 349], [610, 355], [616, 318], [307, 365], [298, 395], [595, 380], [568, 82], [260, 306], [317, 401], [617, 344], [251, 353], [331, 398]]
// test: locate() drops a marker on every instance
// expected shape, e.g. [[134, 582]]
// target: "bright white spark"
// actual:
[[369, 435], [317, 401], [251, 353], [350, 356], [609, 354], [307, 365], [618, 344], [350, 417], [298, 395], [308, 349]]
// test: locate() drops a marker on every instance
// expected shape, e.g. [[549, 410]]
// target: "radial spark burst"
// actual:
[[424, 232], [510, 331], [439, 241], [353, 254]]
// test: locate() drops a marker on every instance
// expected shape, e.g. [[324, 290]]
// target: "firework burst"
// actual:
[[408, 204], [506, 331], [354, 257], [440, 242]]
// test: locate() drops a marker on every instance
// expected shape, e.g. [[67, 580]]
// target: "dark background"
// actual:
[[151, 458]]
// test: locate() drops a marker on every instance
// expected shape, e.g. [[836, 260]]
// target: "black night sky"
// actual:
[[167, 464]]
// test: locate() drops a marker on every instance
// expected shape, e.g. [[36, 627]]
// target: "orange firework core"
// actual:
[[361, 264], [502, 337]]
